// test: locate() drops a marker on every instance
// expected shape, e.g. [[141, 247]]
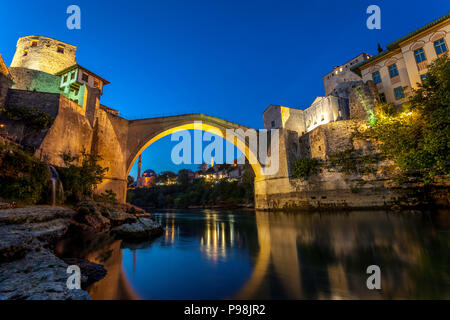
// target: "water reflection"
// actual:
[[247, 255]]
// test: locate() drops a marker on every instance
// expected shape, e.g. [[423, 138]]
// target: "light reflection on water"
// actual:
[[218, 255]]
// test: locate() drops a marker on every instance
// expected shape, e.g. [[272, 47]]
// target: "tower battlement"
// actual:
[[43, 54]]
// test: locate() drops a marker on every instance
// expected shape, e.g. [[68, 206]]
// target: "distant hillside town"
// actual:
[[208, 173]]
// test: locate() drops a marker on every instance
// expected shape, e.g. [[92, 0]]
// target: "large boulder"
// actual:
[[91, 272], [25, 229], [39, 275], [28, 269], [90, 216], [34, 214], [14, 243], [141, 230]]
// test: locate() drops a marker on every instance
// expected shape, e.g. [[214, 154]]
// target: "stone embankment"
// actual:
[[29, 269]]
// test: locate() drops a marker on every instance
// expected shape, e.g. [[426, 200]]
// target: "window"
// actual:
[[60, 49], [393, 71], [72, 75], [25, 53], [309, 124], [382, 97], [96, 84], [399, 94], [440, 46], [85, 77], [419, 54], [376, 77], [34, 43], [65, 79], [273, 124], [423, 76], [322, 118]]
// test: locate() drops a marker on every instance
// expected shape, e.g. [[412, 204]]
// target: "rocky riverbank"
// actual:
[[29, 269]]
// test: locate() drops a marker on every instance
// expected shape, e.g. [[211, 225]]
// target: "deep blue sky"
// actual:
[[230, 58]]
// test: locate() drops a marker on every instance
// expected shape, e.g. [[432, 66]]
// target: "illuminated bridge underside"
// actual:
[[121, 143]]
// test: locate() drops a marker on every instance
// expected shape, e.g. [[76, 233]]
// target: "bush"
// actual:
[[32, 118], [417, 137], [305, 167], [107, 196], [79, 181], [23, 178]]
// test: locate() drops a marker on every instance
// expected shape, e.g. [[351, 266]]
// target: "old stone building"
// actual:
[[404, 63], [337, 81], [44, 76]]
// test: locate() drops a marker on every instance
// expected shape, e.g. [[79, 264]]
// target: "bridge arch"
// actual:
[[142, 133]]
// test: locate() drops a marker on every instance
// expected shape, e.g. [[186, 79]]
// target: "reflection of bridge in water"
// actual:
[[301, 256]]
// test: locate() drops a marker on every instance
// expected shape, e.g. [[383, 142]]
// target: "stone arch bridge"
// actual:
[[127, 139]]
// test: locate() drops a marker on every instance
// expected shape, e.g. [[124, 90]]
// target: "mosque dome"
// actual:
[[148, 173]]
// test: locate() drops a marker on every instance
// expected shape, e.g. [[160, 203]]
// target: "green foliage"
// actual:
[[79, 181], [23, 178], [107, 196], [199, 193], [32, 117], [305, 167], [367, 107], [417, 137], [165, 176], [183, 177]]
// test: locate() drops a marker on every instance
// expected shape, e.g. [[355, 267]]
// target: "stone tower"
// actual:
[[43, 54]]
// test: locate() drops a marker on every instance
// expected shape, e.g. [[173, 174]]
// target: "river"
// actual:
[[259, 255]]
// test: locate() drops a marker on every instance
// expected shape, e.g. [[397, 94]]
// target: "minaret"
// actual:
[[139, 171]]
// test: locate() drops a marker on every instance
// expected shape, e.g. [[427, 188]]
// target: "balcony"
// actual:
[[422, 65], [395, 79]]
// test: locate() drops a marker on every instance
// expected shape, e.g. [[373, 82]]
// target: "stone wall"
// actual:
[[333, 187], [110, 141], [330, 188], [34, 80], [70, 133], [363, 97], [5, 81], [45, 102], [44, 56]]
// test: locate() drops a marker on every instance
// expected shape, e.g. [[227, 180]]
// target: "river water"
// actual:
[[259, 255]]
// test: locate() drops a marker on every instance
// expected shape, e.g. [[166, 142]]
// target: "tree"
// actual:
[[79, 181], [183, 177], [164, 176]]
